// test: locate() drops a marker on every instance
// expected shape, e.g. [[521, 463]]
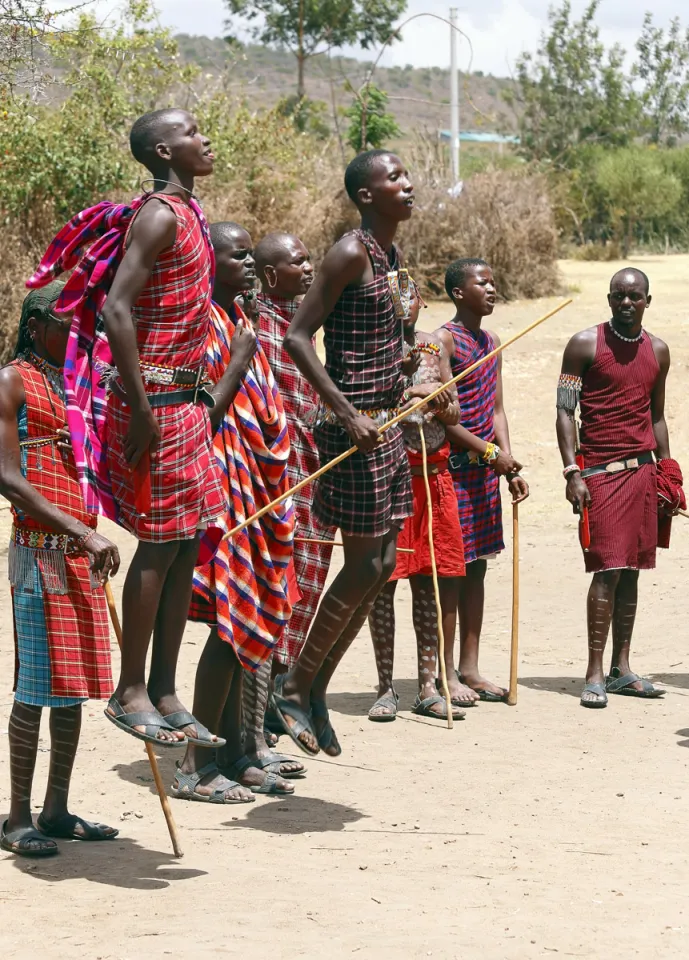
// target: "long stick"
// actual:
[[152, 759], [400, 416], [514, 645], [436, 587]]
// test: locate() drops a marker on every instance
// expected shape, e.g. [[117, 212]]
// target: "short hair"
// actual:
[[358, 172], [644, 278], [37, 304], [269, 249], [456, 273], [221, 233], [148, 131]]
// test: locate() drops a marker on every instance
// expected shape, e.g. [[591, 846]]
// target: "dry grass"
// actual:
[[503, 216]]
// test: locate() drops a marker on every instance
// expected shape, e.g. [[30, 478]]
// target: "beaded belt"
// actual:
[[40, 441], [171, 376], [38, 540]]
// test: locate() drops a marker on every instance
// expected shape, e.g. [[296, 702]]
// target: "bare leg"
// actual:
[[381, 623], [217, 675], [471, 604], [623, 617], [23, 732], [169, 631], [449, 599], [141, 597], [599, 609], [65, 729], [256, 690]]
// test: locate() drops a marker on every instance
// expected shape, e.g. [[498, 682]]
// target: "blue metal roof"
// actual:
[[479, 137]]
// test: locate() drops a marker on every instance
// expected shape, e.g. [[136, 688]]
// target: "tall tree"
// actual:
[[370, 124], [663, 69], [311, 27], [573, 91]]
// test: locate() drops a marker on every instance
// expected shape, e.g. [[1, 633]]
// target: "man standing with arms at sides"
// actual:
[[361, 387], [616, 373]]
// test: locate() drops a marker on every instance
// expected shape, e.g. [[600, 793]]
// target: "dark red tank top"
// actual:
[[616, 399]]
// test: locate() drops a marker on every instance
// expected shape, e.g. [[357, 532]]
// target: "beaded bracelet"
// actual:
[[492, 452], [570, 469], [81, 541]]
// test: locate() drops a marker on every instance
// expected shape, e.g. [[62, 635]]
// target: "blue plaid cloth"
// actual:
[[33, 676]]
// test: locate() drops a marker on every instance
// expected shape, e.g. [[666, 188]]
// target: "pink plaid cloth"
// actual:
[[92, 244], [311, 560]]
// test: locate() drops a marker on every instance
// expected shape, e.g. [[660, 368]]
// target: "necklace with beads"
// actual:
[[626, 339], [52, 374]]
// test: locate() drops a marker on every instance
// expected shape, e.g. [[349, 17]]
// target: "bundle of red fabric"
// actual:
[[670, 497]]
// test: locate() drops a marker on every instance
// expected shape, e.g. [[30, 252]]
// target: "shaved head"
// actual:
[[224, 234], [152, 129], [633, 272], [273, 249]]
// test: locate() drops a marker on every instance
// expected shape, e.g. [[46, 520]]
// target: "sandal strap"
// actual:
[[187, 782]]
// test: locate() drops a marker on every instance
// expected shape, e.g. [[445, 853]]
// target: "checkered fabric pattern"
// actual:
[[363, 337], [311, 560], [74, 625], [477, 487], [245, 583], [92, 245]]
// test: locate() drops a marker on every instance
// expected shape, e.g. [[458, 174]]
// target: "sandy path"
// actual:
[[531, 832]]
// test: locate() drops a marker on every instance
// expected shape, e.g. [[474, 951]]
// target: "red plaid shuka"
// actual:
[[311, 560], [172, 323], [244, 589], [476, 485], [93, 243], [369, 493], [77, 621]]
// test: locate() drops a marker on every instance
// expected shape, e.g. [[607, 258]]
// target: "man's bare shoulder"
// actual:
[[349, 250], [660, 348], [155, 220], [584, 341], [11, 390]]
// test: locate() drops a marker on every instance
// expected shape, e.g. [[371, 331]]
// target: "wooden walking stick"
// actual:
[[514, 645], [436, 587], [152, 759], [400, 416]]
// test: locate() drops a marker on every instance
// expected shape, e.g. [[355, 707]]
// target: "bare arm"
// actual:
[[579, 354], [25, 497], [153, 231], [345, 265], [242, 348], [660, 431]]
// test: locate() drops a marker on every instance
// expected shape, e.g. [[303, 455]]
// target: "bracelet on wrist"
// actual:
[[570, 469], [491, 453], [84, 539]]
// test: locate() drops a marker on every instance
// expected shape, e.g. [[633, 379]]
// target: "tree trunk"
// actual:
[[301, 92]]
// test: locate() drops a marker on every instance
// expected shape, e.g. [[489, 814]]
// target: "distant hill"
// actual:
[[419, 97]]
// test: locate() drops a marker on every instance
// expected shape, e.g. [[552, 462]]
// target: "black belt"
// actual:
[[173, 397], [464, 459], [170, 398], [618, 466]]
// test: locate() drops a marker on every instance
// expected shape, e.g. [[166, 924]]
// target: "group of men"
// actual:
[[156, 388]]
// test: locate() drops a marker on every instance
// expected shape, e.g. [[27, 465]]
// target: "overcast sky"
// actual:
[[499, 29]]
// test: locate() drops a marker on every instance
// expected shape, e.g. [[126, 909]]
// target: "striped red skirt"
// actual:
[[623, 519], [447, 532], [477, 492]]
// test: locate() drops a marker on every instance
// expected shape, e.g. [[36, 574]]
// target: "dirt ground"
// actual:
[[525, 832]]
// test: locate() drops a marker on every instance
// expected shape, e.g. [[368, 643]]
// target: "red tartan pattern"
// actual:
[[185, 484], [311, 560], [172, 314], [172, 324], [77, 623]]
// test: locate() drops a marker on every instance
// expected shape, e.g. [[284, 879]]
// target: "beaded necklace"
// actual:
[[626, 339]]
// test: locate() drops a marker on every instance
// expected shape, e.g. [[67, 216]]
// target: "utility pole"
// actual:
[[454, 97]]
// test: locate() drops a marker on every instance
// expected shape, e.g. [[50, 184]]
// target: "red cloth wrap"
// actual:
[[670, 497]]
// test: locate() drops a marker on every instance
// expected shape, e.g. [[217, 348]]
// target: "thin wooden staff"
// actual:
[[514, 644], [436, 587], [336, 543], [400, 416], [152, 759]]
